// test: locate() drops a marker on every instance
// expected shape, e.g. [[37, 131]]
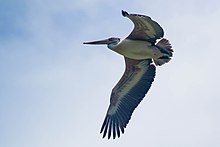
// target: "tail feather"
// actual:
[[166, 49]]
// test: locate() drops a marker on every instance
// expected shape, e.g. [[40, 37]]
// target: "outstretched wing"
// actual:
[[127, 94], [144, 28]]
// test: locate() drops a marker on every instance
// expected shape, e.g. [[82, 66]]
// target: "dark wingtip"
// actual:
[[124, 13]]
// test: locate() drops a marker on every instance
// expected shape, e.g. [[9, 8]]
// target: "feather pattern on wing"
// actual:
[[144, 28], [127, 94]]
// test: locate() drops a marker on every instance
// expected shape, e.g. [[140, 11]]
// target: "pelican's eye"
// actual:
[[111, 39], [114, 39]]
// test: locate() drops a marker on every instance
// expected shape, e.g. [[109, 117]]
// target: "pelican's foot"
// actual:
[[167, 52]]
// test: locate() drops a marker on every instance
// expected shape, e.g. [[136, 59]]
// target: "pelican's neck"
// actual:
[[112, 45]]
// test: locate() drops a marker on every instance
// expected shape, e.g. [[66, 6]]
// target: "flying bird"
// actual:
[[141, 53]]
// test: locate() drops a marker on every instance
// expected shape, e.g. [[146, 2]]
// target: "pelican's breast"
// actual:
[[135, 49]]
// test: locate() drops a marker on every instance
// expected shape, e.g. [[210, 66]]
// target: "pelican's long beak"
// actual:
[[105, 41]]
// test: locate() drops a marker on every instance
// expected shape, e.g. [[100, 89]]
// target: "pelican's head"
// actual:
[[111, 42]]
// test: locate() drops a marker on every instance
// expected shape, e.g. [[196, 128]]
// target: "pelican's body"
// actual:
[[138, 49]]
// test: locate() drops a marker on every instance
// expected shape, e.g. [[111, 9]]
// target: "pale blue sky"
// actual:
[[54, 91]]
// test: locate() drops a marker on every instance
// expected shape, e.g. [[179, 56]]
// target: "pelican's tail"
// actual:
[[167, 52]]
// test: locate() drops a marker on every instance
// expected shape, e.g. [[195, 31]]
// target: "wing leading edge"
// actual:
[[127, 94]]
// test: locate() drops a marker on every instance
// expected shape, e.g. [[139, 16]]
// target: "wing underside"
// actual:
[[127, 94], [144, 28]]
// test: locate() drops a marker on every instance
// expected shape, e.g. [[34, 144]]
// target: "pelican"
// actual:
[[142, 53]]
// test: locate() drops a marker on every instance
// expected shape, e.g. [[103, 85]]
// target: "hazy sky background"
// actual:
[[54, 91]]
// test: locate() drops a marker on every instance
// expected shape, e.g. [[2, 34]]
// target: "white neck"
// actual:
[[112, 45]]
